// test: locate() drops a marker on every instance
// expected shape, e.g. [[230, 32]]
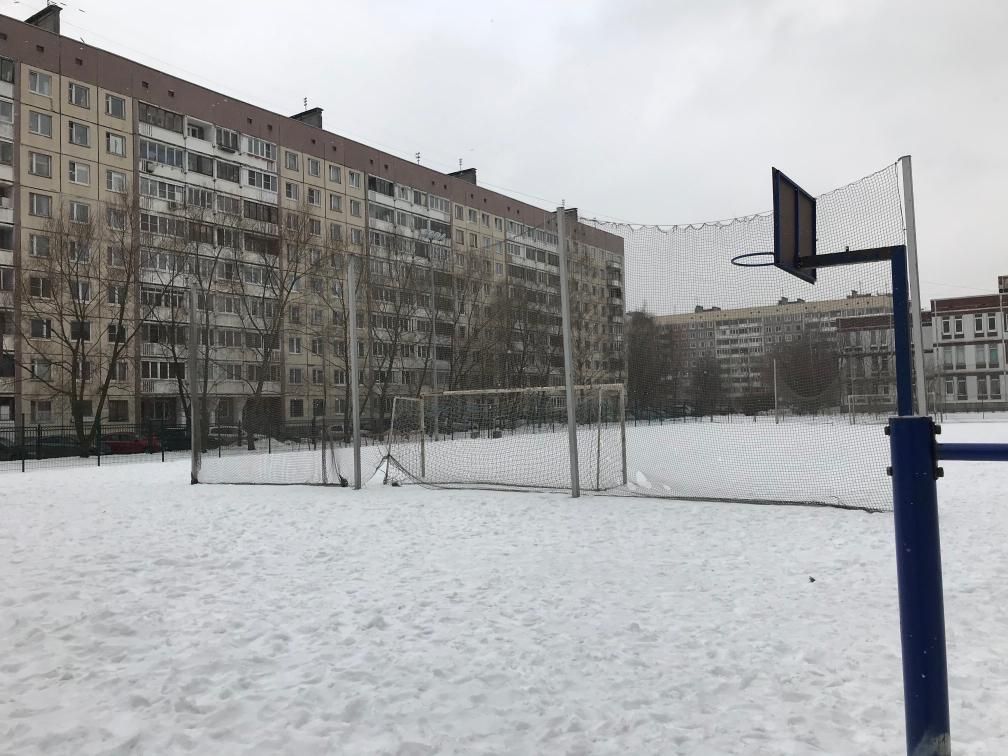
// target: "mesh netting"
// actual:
[[508, 438], [746, 384]]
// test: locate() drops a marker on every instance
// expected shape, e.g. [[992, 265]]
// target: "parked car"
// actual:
[[49, 447], [10, 451], [128, 442], [223, 434], [174, 437]]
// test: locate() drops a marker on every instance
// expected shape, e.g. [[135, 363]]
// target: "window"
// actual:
[[473, 216], [355, 208], [335, 174], [115, 259], [41, 329], [196, 130], [991, 323], [294, 345], [314, 197], [80, 330], [80, 212], [156, 116], [957, 323], [79, 95], [266, 181], [6, 279], [40, 83], [115, 106], [80, 290], [40, 123], [260, 148], [38, 245], [295, 317], [115, 144], [116, 295], [200, 163], [317, 376], [228, 204], [115, 217], [40, 164], [80, 173], [335, 232], [291, 190], [473, 240], [353, 179], [335, 202], [960, 357], [227, 139], [291, 160], [7, 70], [79, 252], [40, 205], [6, 153], [162, 153], [118, 409], [228, 171], [498, 224], [197, 197], [356, 236], [296, 405], [79, 134], [40, 369], [115, 181], [995, 387], [258, 211], [993, 356], [295, 377], [40, 287], [314, 167]]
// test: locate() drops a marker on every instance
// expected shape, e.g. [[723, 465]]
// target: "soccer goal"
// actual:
[[311, 453], [508, 438]]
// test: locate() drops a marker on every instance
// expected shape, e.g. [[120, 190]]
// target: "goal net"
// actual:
[[309, 453], [508, 438]]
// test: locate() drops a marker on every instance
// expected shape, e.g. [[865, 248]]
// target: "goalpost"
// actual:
[[508, 438]]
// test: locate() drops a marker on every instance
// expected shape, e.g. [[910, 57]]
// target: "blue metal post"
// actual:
[[919, 572], [918, 548], [974, 452]]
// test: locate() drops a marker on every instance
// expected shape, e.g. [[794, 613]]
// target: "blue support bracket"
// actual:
[[973, 452]]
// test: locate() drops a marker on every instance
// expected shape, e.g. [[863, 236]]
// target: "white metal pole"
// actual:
[[598, 446], [196, 433], [622, 429], [423, 447], [354, 377], [916, 306], [433, 347], [776, 406], [568, 352]]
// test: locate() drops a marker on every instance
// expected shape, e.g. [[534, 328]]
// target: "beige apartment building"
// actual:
[[125, 191]]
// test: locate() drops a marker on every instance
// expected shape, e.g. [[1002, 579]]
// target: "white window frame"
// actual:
[[40, 83], [115, 181], [39, 118], [73, 89], [75, 170]]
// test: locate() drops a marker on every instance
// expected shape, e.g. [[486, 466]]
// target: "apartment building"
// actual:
[[867, 361], [125, 191], [971, 339], [726, 356]]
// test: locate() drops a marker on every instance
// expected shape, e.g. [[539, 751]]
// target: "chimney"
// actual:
[[312, 116], [466, 174], [48, 19]]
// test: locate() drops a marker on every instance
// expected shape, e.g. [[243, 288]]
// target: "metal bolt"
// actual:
[[888, 430], [940, 473], [937, 429], [888, 471]]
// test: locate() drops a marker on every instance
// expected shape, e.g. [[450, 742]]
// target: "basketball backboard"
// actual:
[[794, 217]]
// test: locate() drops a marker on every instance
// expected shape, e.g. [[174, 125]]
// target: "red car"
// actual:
[[127, 442]]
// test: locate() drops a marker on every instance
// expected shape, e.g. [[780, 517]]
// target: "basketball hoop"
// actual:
[[748, 259]]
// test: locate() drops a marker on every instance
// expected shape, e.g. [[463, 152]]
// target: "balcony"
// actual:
[[159, 386]]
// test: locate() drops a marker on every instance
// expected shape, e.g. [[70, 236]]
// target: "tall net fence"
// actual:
[[513, 438], [747, 384]]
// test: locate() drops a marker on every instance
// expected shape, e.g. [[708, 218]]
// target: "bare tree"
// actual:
[[77, 292]]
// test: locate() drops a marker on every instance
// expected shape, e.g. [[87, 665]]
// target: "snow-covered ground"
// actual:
[[141, 614]]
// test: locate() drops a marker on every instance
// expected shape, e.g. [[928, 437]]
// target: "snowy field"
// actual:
[[141, 614]]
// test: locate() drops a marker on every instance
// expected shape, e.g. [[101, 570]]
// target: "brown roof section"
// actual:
[[969, 304], [36, 47]]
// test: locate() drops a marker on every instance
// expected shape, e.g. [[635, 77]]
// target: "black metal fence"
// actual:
[[33, 446]]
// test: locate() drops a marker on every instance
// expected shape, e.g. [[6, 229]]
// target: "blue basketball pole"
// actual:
[[918, 547]]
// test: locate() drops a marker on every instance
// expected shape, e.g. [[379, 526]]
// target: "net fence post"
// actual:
[[194, 423], [351, 298], [916, 306], [391, 433], [423, 442], [598, 445], [622, 427], [568, 350]]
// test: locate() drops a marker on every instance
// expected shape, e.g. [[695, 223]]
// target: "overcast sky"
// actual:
[[651, 111]]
